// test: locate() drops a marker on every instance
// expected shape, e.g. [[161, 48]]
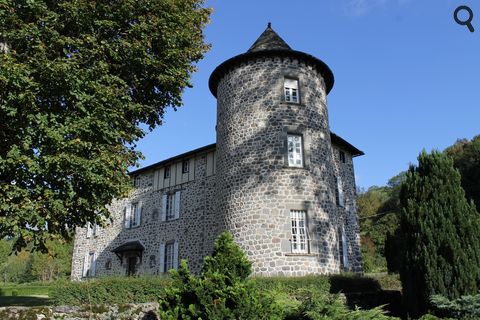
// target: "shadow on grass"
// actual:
[[27, 301]]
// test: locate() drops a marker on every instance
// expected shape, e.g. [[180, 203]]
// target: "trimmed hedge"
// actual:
[[289, 285], [114, 290]]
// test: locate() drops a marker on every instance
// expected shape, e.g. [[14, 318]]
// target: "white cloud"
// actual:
[[362, 7]]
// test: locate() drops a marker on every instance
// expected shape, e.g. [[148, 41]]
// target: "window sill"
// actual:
[[297, 168], [292, 103]]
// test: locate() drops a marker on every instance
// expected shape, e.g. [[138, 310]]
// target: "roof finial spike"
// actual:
[[269, 25]]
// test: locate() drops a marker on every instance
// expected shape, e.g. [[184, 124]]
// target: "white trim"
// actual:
[[295, 150], [341, 196], [85, 265], [89, 230], [346, 263]]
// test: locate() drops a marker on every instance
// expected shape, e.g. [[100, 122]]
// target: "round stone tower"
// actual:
[[276, 173]]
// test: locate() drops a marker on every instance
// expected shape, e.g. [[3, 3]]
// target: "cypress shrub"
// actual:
[[439, 232]]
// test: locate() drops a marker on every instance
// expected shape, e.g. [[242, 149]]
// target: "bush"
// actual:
[[113, 290], [290, 285], [349, 283], [465, 307], [316, 306], [222, 291]]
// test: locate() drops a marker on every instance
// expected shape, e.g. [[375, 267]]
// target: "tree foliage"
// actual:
[[466, 158], [28, 265], [378, 210], [77, 80], [221, 291], [439, 232]]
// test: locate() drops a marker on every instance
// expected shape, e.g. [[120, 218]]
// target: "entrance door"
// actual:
[[131, 264]]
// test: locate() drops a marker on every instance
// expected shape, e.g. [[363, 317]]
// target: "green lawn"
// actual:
[[26, 294]]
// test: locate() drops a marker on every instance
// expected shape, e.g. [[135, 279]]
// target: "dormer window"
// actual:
[[166, 173], [291, 90], [136, 181], [185, 166]]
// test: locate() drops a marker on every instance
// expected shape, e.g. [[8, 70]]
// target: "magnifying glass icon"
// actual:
[[467, 22]]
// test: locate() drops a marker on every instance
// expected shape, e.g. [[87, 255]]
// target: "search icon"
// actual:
[[467, 22]]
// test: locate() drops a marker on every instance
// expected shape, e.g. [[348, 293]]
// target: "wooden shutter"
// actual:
[[138, 214], [85, 266], [128, 213], [175, 255], [177, 204], [89, 229], [155, 180], [162, 257], [341, 197], [163, 212], [93, 268], [345, 249]]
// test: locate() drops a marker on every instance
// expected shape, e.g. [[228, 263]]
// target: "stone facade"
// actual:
[[244, 183]]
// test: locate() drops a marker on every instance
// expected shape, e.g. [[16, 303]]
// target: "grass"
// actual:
[[26, 294]]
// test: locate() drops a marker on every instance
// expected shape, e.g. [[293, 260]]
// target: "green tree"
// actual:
[[440, 232], [221, 291], [78, 79], [466, 158]]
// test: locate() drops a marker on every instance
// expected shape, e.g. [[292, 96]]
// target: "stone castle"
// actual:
[[278, 179]]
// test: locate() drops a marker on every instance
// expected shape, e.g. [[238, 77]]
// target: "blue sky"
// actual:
[[406, 75]]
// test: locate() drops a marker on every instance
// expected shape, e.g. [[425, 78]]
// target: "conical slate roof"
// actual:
[[269, 40], [270, 44]]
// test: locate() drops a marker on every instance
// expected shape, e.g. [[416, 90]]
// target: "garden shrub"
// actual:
[[111, 290], [221, 291], [317, 306], [348, 283], [465, 307]]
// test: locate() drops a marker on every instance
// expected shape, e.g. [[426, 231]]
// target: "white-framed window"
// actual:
[[171, 206], [89, 265], [295, 150], [339, 196], [92, 230], [343, 248], [299, 231], [291, 90], [133, 215], [168, 256], [185, 166]]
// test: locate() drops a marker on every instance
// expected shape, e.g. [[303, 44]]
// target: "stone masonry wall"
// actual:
[[194, 230], [255, 187]]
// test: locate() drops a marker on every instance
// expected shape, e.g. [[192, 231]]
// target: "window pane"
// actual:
[[299, 231]]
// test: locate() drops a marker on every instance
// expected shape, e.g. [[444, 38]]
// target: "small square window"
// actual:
[[295, 150], [166, 173], [136, 181], [342, 156], [185, 166], [291, 90]]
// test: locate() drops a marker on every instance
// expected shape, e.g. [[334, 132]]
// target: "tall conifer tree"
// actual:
[[440, 233]]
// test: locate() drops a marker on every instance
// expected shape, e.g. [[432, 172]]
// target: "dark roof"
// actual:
[[129, 246], [336, 140], [183, 155], [339, 141], [269, 40], [270, 44]]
